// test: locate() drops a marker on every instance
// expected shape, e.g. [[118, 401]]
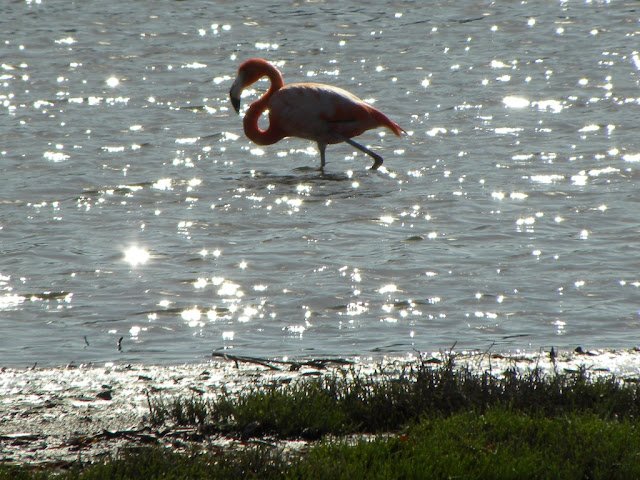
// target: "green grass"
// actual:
[[498, 444], [355, 403], [430, 422]]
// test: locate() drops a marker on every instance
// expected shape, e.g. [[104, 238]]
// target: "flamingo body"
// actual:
[[313, 111]]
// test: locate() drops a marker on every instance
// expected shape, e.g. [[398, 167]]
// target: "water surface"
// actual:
[[138, 224]]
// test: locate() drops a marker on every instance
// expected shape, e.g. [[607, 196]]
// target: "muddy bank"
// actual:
[[61, 415]]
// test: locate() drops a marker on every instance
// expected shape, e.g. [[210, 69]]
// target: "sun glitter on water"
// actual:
[[135, 256]]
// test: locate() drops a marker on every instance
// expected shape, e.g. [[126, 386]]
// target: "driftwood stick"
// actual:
[[235, 358], [293, 365]]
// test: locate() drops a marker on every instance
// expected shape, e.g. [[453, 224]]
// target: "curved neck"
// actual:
[[273, 133]]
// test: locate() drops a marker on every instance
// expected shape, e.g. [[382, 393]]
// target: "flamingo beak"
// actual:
[[236, 92]]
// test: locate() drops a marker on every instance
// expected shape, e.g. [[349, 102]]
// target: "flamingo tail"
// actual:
[[385, 121]]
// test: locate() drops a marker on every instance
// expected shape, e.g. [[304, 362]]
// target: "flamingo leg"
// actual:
[[377, 159], [322, 149]]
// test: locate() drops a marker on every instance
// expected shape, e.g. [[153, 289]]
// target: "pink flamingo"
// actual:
[[317, 112]]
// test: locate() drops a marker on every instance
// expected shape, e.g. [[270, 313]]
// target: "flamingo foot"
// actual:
[[377, 159]]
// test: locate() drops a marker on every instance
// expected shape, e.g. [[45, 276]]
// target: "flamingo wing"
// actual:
[[318, 112]]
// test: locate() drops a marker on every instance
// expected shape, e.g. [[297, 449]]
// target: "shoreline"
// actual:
[[56, 416]]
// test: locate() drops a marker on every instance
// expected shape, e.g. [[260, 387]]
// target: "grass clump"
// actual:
[[351, 403]]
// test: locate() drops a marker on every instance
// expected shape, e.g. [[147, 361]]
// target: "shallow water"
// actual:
[[133, 207]]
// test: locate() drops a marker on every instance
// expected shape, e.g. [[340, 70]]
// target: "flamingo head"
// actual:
[[249, 73]]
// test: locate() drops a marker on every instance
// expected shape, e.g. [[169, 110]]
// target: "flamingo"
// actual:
[[313, 111]]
